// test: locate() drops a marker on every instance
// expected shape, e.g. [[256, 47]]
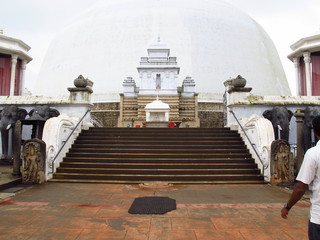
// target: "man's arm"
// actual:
[[297, 193]]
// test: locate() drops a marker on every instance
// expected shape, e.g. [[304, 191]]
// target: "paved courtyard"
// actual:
[[100, 211]]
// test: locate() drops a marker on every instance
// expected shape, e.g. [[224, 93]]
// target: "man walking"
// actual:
[[309, 175]]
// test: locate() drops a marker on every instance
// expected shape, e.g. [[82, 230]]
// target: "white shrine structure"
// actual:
[[14, 57], [158, 100], [306, 58]]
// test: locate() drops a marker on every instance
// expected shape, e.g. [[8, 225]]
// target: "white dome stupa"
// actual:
[[212, 40]]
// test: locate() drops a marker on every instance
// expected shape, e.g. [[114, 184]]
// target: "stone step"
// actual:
[[224, 165], [157, 160], [232, 181], [132, 155], [156, 156], [159, 151], [159, 177], [159, 171], [151, 145], [165, 142]]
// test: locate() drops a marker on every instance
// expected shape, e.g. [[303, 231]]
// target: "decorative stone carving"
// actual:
[[81, 82], [55, 133], [280, 118], [33, 161], [9, 115], [282, 165], [309, 139], [82, 90], [43, 112], [260, 133], [239, 82]]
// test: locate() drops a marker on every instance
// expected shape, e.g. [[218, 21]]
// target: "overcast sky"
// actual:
[[36, 22]]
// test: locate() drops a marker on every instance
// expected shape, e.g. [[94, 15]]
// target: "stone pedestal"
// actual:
[[82, 90], [80, 94]]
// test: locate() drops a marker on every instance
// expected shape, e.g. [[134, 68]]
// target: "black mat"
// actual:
[[152, 205]]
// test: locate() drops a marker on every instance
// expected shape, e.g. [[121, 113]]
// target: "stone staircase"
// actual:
[[173, 155]]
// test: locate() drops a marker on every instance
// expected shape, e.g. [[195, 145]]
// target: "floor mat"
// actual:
[[152, 205]]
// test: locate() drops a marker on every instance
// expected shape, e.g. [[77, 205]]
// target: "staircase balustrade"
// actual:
[[253, 146], [65, 142]]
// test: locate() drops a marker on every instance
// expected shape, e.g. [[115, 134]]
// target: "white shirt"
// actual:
[[310, 174]]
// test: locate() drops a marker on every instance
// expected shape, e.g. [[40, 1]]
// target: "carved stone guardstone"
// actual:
[[33, 161], [282, 164]]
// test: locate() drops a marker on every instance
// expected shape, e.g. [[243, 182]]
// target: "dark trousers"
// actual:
[[314, 231]]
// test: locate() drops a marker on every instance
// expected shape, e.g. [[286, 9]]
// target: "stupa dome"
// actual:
[[212, 40]]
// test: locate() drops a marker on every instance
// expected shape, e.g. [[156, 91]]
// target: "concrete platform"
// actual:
[[100, 211], [6, 178]]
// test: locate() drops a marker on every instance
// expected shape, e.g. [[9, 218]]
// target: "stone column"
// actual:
[[298, 80], [196, 109], [120, 119], [22, 77], [14, 61], [17, 148], [307, 61], [299, 122]]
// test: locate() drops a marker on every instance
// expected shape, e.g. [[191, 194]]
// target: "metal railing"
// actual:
[[65, 142], [252, 145]]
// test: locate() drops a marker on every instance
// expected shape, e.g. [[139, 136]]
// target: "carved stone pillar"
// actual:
[[307, 61], [17, 148], [299, 122], [33, 161]]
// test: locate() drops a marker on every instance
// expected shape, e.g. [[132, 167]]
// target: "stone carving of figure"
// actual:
[[33, 161], [282, 162]]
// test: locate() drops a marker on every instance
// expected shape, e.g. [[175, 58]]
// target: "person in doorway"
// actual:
[[309, 176]]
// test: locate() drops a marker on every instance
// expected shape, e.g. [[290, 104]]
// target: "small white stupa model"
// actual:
[[157, 113]]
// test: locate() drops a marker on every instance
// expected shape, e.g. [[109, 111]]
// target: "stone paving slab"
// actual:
[[100, 211]]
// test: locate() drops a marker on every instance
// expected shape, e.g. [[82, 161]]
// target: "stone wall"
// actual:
[[210, 114], [106, 114]]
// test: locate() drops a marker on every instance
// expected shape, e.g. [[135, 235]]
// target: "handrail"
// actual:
[[65, 142], [252, 145]]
